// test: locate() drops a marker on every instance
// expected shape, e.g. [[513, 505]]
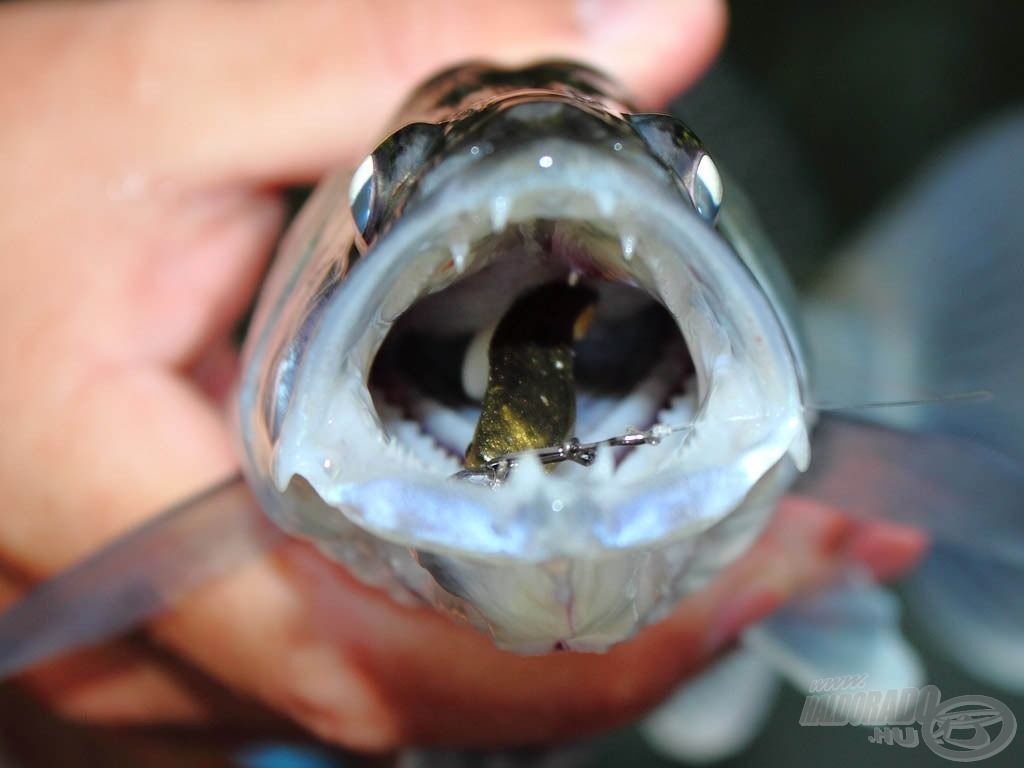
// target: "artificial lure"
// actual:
[[530, 400]]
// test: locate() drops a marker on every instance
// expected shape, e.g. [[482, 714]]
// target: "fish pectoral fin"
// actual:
[[848, 633], [137, 576], [716, 714], [927, 300], [967, 497], [959, 491]]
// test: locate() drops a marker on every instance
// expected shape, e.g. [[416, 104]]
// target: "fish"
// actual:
[[497, 182], [369, 362]]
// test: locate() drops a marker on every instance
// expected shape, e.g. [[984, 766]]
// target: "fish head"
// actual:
[[355, 407]]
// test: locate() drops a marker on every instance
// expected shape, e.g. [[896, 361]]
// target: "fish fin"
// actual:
[[963, 493], [848, 633], [928, 301], [973, 607], [849, 629], [967, 496], [718, 713], [136, 576]]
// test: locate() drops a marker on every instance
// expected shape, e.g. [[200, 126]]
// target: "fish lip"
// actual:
[[394, 499]]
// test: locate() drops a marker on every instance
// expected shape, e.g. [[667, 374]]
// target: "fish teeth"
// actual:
[[603, 467], [628, 243], [499, 213], [460, 254]]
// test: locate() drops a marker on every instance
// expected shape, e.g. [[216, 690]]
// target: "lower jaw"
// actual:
[[582, 603]]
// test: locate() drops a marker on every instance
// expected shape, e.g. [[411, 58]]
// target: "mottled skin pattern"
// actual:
[[468, 88], [530, 401]]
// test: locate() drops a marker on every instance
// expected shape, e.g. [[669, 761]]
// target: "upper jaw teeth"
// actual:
[[499, 213], [628, 243], [460, 254], [599, 207]]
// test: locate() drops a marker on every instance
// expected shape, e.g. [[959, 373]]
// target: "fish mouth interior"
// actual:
[[632, 367], [373, 436]]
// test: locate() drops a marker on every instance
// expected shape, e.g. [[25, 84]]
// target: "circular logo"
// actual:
[[968, 728]]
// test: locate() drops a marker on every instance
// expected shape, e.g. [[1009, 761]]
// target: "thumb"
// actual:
[[278, 91]]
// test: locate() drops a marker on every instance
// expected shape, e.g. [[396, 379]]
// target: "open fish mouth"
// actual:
[[371, 430], [631, 366]]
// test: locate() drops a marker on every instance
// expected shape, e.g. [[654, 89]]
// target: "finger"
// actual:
[[888, 550], [120, 683], [33, 735], [271, 89], [779, 567], [128, 438]]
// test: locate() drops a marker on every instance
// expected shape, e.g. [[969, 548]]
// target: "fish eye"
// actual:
[[678, 148], [707, 188], [362, 194], [386, 176]]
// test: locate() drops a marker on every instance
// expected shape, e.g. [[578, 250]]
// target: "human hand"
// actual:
[[143, 144]]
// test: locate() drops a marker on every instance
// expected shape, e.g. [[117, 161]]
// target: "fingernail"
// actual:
[[888, 550]]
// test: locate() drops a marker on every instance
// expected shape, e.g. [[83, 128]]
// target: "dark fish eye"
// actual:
[[384, 179], [679, 149], [362, 194]]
